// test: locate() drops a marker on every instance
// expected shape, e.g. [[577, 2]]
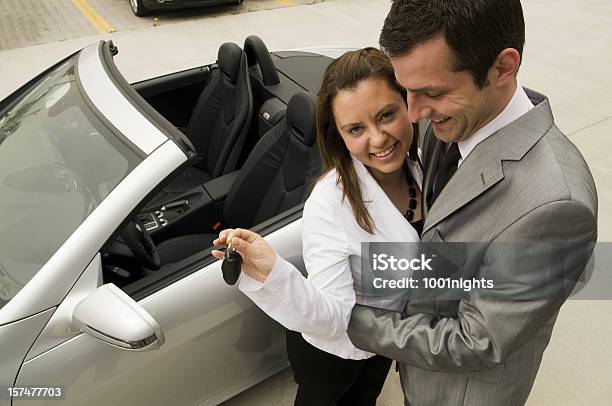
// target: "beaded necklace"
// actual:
[[412, 193]]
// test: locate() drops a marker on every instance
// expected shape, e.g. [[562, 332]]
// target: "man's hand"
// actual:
[[258, 258]]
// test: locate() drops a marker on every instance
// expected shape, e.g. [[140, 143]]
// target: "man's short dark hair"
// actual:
[[475, 30]]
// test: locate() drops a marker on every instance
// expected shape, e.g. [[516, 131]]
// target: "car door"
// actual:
[[217, 343]]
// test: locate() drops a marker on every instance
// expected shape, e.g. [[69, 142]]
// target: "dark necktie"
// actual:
[[447, 166]]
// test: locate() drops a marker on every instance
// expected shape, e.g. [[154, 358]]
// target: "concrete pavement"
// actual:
[[25, 23], [567, 57]]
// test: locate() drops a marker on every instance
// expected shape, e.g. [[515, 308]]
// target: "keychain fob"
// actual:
[[231, 265]]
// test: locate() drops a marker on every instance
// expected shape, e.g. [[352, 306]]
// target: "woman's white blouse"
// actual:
[[320, 306]]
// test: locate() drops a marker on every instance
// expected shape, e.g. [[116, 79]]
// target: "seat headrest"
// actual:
[[228, 59], [301, 117]]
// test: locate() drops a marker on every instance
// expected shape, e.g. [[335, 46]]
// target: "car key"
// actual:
[[231, 265]]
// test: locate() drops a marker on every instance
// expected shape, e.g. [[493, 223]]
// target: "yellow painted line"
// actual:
[[99, 23], [288, 3]]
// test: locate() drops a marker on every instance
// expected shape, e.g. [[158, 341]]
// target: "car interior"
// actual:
[[250, 118]]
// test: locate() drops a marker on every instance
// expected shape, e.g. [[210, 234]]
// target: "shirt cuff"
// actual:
[[274, 279]]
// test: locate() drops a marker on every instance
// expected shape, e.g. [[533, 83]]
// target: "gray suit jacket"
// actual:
[[526, 182]]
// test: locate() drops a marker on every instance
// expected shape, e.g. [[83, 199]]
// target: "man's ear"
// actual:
[[506, 66]]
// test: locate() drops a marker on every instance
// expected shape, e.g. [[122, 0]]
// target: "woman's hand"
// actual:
[[258, 258]]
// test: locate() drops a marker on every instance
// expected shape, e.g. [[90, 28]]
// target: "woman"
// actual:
[[369, 192]]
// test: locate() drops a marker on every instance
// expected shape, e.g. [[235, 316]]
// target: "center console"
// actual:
[[202, 206]]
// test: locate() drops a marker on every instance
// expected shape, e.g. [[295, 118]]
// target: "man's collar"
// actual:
[[518, 106]]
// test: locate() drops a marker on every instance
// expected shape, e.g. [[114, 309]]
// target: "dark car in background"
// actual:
[[144, 7]]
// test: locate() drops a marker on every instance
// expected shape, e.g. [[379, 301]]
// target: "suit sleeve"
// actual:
[[320, 305], [490, 324]]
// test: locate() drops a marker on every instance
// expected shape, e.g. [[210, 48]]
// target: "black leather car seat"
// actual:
[[219, 123], [276, 176]]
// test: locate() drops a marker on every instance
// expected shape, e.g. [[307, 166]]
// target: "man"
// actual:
[[497, 170]]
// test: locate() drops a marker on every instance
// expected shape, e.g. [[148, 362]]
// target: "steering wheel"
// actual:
[[139, 241]]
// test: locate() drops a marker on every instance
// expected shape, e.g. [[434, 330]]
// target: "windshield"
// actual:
[[57, 163]]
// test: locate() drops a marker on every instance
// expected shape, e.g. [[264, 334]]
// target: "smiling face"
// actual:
[[456, 107], [373, 121]]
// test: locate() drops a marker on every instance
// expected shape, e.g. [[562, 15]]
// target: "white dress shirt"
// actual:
[[320, 307], [518, 105]]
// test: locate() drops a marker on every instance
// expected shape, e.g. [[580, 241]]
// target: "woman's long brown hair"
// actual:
[[347, 72]]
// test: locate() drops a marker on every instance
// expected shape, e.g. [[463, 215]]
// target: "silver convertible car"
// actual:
[[110, 197]]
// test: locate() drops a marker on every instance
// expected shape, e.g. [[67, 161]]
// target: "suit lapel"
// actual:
[[479, 171], [482, 168], [431, 154]]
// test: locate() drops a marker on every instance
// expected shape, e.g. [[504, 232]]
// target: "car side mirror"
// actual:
[[113, 317]]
